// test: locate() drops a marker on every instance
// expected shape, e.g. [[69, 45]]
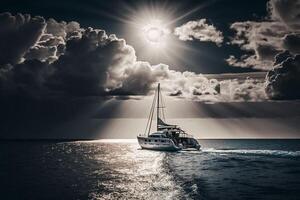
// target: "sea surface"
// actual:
[[119, 169]]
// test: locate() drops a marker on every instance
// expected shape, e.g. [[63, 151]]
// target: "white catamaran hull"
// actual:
[[159, 144]]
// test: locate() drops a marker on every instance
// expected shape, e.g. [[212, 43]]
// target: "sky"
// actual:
[[82, 69]]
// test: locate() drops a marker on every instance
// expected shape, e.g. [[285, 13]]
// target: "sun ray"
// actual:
[[149, 29], [186, 14]]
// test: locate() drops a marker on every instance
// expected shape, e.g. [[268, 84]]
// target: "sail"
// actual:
[[162, 125]]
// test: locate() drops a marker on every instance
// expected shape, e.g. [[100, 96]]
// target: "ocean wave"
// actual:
[[281, 153]]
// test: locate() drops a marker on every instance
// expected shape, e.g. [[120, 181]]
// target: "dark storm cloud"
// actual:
[[283, 81], [18, 33]]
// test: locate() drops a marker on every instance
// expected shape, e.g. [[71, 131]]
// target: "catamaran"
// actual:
[[167, 137]]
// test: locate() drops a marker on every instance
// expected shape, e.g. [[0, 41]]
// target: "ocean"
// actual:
[[119, 169]]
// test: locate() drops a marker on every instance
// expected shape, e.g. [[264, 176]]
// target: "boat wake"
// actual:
[[280, 153]]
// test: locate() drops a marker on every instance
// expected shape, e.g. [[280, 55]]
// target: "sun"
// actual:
[[149, 29], [155, 33]]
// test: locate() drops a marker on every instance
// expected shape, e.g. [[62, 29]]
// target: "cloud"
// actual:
[[61, 29], [18, 33], [279, 58], [292, 42], [67, 61], [263, 40], [247, 90], [89, 60], [282, 82], [53, 40], [286, 11], [25, 79], [199, 30]]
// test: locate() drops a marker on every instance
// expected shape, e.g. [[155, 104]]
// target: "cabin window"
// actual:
[[155, 140]]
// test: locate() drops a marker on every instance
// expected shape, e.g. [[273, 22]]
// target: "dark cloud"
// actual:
[[292, 42], [283, 81], [279, 58], [81, 71], [18, 33]]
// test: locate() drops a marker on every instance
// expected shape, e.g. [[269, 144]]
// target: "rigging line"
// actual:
[[150, 114], [152, 111]]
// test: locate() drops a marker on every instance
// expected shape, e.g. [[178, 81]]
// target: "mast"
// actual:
[[157, 114]]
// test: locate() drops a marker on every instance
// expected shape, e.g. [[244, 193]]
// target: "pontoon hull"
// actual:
[[158, 144], [189, 143]]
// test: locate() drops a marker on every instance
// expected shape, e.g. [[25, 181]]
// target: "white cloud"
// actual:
[[199, 30]]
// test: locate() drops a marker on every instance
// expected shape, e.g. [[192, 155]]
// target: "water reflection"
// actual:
[[138, 174]]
